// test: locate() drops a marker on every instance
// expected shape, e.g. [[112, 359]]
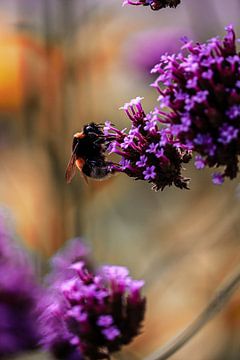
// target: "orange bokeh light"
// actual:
[[11, 84]]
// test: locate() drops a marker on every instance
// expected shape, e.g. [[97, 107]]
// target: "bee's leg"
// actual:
[[100, 140]]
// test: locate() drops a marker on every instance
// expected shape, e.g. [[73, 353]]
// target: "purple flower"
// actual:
[[55, 336], [111, 333], [19, 294], [149, 173], [191, 83], [153, 156], [227, 133], [199, 162], [154, 4], [105, 320], [160, 153], [152, 148], [201, 86], [142, 161], [217, 179], [234, 112], [133, 110], [107, 128], [18, 310], [125, 164], [208, 74], [151, 125], [201, 96], [91, 314]]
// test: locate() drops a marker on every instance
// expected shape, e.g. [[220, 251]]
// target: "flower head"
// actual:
[[202, 93], [92, 314], [154, 4], [148, 151]]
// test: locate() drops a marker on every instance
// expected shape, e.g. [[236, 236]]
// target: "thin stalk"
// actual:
[[219, 300]]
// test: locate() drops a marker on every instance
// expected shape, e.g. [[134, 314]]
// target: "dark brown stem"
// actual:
[[217, 303]]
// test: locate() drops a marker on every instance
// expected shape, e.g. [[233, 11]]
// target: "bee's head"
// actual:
[[92, 129]]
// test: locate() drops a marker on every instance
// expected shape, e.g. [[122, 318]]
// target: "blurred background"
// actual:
[[64, 63]]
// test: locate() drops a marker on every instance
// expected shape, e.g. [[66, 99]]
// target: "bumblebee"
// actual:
[[88, 154]]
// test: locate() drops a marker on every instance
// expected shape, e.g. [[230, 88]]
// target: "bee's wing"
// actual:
[[79, 164], [71, 168]]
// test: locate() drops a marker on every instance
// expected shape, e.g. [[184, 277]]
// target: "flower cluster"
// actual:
[[90, 315], [154, 4], [148, 151], [202, 91], [18, 297]]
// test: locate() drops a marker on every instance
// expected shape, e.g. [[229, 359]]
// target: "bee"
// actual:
[[88, 155]]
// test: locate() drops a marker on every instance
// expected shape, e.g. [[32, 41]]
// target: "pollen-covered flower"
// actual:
[[19, 293], [154, 4], [202, 92], [148, 151], [89, 315]]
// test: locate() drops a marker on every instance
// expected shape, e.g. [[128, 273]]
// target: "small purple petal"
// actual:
[[199, 162], [149, 173], [152, 148], [217, 179], [105, 320], [111, 333], [142, 161]]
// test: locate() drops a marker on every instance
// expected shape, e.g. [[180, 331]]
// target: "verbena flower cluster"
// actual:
[[199, 110], [88, 314], [81, 314], [148, 151], [202, 92], [154, 4], [18, 297]]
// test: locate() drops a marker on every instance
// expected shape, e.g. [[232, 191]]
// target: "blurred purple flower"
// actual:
[[199, 162], [74, 251], [148, 152], [18, 296], [217, 178], [55, 336], [144, 49], [19, 293], [89, 315], [154, 4], [54, 332], [201, 86]]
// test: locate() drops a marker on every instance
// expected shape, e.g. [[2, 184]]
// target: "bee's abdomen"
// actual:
[[96, 169]]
